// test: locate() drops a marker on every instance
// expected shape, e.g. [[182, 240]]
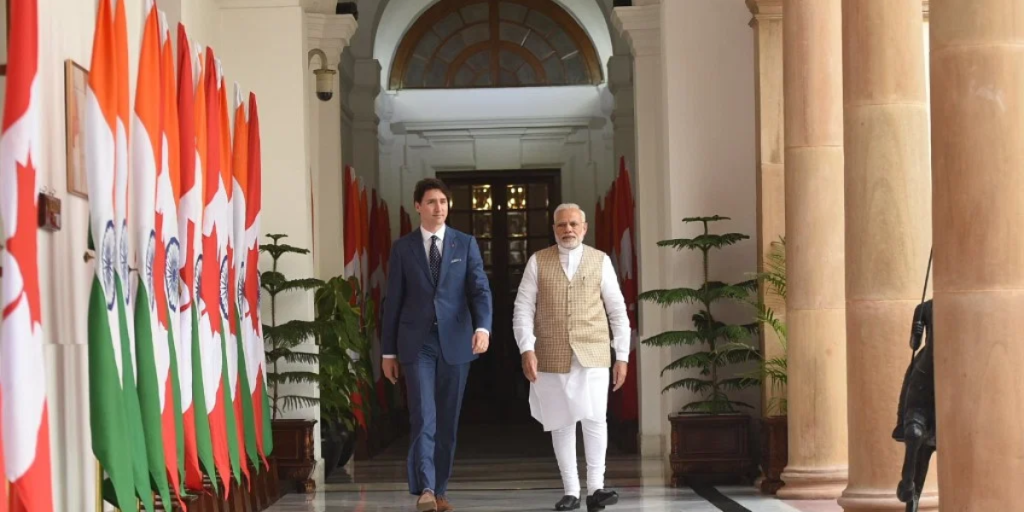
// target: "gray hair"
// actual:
[[571, 206]]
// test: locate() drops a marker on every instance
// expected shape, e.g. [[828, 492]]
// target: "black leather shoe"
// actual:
[[601, 499], [568, 503]]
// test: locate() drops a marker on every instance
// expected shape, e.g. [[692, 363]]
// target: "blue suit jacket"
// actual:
[[460, 304]]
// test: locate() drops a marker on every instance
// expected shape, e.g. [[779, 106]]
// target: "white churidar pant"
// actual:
[[560, 400]]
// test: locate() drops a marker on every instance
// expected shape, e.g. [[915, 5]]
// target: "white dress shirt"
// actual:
[[614, 303], [426, 241], [440, 247]]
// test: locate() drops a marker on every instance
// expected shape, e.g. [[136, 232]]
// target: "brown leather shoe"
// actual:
[[426, 502], [443, 505]]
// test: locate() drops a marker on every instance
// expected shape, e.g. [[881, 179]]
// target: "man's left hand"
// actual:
[[480, 342], [619, 372]]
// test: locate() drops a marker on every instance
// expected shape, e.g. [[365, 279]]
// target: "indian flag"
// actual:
[[106, 388], [213, 277], [242, 393], [151, 351], [192, 114], [254, 323], [136, 436], [25, 451], [230, 347]]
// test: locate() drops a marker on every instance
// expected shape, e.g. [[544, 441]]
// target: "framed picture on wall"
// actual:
[[76, 80]]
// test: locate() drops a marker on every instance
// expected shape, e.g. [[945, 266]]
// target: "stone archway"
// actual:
[[494, 43], [394, 20]]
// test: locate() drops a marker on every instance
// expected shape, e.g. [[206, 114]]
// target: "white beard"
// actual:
[[569, 245]]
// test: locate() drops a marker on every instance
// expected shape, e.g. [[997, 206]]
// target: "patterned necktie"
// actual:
[[435, 260]]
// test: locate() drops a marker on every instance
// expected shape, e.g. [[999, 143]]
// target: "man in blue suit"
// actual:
[[437, 319]]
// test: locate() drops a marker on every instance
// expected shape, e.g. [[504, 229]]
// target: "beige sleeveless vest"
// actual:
[[570, 315]]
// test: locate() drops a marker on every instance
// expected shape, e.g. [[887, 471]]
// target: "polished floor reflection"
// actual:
[[513, 469], [633, 499]]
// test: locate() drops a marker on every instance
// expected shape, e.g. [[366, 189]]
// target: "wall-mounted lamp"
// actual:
[[324, 76]]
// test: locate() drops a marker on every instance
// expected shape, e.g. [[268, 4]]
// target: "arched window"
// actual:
[[494, 43]]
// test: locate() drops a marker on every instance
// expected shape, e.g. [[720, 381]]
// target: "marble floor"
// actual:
[[519, 473], [632, 499]]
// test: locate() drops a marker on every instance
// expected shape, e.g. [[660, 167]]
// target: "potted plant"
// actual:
[[344, 368], [772, 370], [710, 435], [293, 438]]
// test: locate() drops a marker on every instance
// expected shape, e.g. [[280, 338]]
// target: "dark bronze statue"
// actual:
[[915, 419]]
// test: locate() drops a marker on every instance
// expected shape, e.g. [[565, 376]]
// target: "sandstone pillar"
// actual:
[[888, 233], [640, 25], [330, 33], [366, 137], [977, 108], [771, 183], [815, 314]]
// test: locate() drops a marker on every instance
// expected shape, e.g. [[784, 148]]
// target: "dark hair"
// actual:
[[430, 184]]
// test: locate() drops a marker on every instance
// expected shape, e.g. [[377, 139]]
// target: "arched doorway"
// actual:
[[496, 91]]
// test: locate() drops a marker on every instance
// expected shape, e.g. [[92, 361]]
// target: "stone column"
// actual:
[[977, 108], [332, 34], [640, 25], [620, 84], [771, 183], [366, 144], [815, 314], [888, 233]]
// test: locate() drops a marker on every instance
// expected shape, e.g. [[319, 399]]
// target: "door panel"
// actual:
[[509, 214]]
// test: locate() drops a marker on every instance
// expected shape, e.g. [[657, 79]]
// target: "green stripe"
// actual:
[[229, 408], [106, 405], [149, 395], [204, 446], [248, 418], [133, 414], [179, 424], [268, 435]]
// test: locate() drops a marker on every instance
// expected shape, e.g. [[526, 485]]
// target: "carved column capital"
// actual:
[[640, 26], [366, 87], [330, 33], [765, 8]]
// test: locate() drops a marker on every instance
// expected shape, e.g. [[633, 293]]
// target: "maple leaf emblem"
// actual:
[[22, 245]]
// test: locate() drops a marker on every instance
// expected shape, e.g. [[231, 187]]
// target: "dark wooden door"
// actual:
[[509, 213]]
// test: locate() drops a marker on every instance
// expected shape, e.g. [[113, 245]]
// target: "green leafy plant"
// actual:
[[344, 349], [281, 340], [721, 343], [772, 282]]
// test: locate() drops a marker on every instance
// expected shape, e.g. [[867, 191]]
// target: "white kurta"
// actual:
[[558, 400]]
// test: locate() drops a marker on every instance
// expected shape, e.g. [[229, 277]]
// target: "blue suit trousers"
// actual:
[[435, 390]]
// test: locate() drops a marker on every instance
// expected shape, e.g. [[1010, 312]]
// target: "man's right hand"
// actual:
[[389, 366], [530, 365]]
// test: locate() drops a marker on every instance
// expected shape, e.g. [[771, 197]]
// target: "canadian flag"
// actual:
[[213, 278], [26, 437]]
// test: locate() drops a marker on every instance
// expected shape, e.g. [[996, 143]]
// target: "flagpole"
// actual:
[[99, 486]]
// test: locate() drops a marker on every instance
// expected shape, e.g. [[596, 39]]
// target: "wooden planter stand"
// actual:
[[774, 452], [294, 452], [711, 450]]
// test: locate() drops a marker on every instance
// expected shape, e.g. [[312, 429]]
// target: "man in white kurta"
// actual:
[[568, 297]]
